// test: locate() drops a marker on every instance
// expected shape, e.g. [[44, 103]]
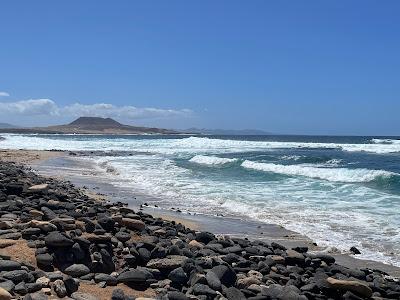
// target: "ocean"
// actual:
[[339, 191]]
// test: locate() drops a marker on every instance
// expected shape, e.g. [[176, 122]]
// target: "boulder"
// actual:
[[57, 239], [137, 276], [357, 287], [9, 265], [226, 274], [77, 270], [133, 224], [39, 188], [169, 263]]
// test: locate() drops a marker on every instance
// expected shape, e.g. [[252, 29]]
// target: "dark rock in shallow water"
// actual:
[[355, 250]]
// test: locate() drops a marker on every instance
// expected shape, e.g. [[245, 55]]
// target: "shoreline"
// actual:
[[219, 225], [66, 243]]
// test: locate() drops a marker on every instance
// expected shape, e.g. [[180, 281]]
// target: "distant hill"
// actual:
[[6, 125], [226, 131], [92, 125]]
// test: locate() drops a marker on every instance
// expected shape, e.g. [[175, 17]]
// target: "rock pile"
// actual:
[[79, 240]]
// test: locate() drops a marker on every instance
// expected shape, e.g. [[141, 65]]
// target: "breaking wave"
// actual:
[[330, 174], [211, 160]]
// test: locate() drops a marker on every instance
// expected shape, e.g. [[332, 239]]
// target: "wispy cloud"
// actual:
[[47, 107], [4, 94]]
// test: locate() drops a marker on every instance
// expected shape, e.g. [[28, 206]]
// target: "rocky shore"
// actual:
[[57, 242]]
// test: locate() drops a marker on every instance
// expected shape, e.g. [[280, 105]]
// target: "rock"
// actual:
[[118, 294], [204, 237], [133, 224], [16, 276], [43, 281], [71, 284], [247, 281], [4, 295], [20, 288], [33, 287], [233, 293], [77, 270], [59, 288], [39, 188], [137, 276], [108, 279], [44, 259], [43, 225], [355, 250], [294, 258], [196, 244], [175, 295], [356, 287], [169, 263], [83, 296], [178, 276], [226, 275], [123, 236], [57, 239], [8, 285], [202, 289], [9, 265], [213, 281], [273, 291]]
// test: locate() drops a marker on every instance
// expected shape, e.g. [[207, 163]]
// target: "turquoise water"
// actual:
[[340, 191]]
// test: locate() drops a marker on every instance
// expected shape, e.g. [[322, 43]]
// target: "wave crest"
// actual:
[[211, 160], [330, 174]]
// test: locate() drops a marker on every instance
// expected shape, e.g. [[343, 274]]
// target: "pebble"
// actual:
[[106, 244]]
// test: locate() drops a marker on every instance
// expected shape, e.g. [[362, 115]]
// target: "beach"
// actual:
[[272, 281]]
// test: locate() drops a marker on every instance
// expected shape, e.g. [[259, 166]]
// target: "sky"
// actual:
[[292, 67]]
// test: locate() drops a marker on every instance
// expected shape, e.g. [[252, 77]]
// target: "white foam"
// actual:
[[385, 141], [182, 146], [211, 160], [330, 174]]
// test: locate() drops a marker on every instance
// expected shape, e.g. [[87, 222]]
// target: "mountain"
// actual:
[[92, 125], [226, 131], [6, 125]]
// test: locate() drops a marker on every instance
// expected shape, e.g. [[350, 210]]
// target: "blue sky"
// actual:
[[302, 67]]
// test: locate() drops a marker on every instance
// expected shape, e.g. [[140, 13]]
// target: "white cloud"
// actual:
[[4, 94], [47, 107], [32, 107]]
